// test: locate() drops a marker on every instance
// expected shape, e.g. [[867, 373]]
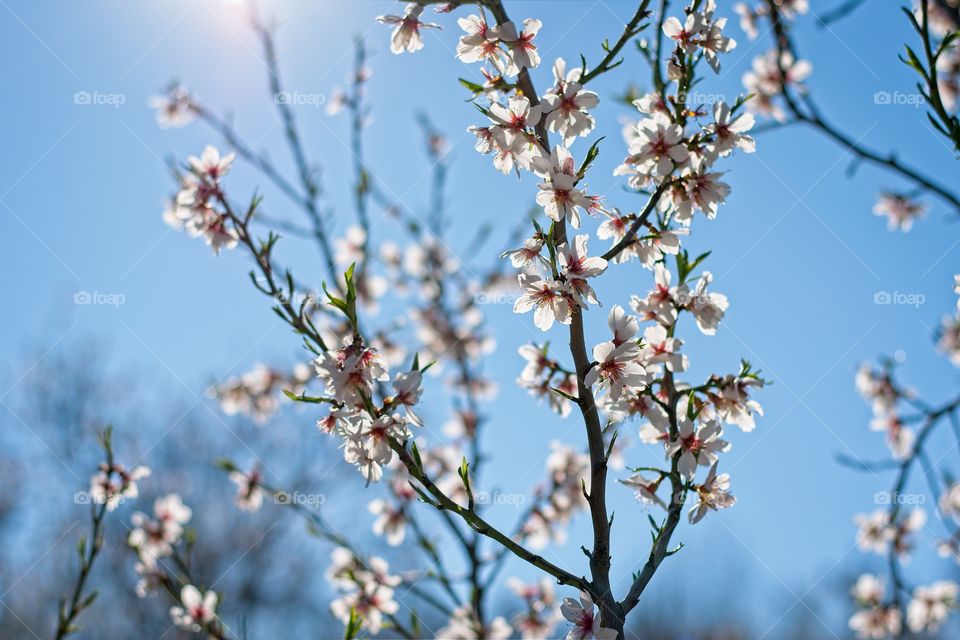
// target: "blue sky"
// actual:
[[796, 248]]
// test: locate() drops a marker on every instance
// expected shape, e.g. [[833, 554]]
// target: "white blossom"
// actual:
[[697, 444], [586, 622], [249, 489], [523, 52], [712, 494], [566, 104], [729, 132], [900, 210], [196, 611], [577, 267], [111, 485], [549, 299], [406, 34], [617, 369], [931, 605], [391, 521], [558, 194]]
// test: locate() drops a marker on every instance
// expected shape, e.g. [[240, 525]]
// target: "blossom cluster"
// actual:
[[877, 387], [113, 483], [541, 613], [464, 623], [892, 532], [776, 82], [366, 588], [256, 393], [154, 539], [772, 71], [671, 156], [197, 205], [672, 151], [349, 375], [928, 608], [948, 340], [943, 24], [568, 473], [442, 463]]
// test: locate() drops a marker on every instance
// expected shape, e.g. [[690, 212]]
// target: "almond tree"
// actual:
[[371, 371], [894, 606], [112, 484], [890, 605], [777, 83]]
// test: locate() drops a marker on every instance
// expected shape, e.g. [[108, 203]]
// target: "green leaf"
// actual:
[[334, 301], [613, 441], [947, 41], [700, 258], [225, 463], [309, 399], [348, 278], [353, 625], [423, 496], [464, 472], [592, 154], [482, 110], [913, 61], [682, 268], [472, 86], [415, 452], [565, 395], [913, 20], [256, 283]]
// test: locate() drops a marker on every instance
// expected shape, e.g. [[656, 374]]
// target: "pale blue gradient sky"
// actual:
[[795, 249]]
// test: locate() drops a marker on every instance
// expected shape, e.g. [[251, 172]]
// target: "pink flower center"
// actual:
[[659, 146], [692, 443], [585, 622], [612, 370], [545, 295]]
